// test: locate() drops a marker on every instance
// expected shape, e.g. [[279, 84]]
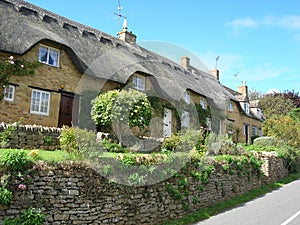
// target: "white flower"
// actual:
[[11, 57], [12, 62]]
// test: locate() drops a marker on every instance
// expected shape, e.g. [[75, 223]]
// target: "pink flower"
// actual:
[[22, 186], [21, 178], [11, 57], [12, 62]]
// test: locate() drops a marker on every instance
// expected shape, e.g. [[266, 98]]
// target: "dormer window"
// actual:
[[246, 107], [187, 97], [203, 103], [259, 114], [230, 106], [139, 82], [49, 56]]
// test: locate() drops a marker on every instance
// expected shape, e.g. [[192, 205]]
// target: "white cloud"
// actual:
[[288, 22], [244, 22], [241, 23], [264, 72]]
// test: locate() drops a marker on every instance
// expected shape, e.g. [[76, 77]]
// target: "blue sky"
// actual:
[[258, 41]]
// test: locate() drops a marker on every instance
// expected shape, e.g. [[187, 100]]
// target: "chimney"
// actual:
[[125, 35], [243, 89], [215, 72], [185, 62]]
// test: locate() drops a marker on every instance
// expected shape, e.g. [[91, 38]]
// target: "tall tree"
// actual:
[[275, 105], [294, 96]]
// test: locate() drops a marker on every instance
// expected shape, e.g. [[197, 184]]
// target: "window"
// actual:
[[49, 56], [9, 93], [246, 107], [254, 131], [230, 106], [203, 103], [230, 126], [40, 101], [139, 82], [259, 114], [208, 123], [185, 119], [187, 97]]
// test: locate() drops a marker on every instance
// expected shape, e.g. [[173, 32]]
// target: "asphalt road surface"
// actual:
[[280, 207]]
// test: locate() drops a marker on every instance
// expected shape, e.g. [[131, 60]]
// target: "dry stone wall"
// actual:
[[33, 137], [74, 193]]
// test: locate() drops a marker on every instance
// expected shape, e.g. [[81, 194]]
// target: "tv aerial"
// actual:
[[119, 14]]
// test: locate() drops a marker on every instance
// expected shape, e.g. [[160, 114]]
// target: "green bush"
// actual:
[[219, 144], [5, 196], [6, 134], [266, 141], [113, 147], [170, 143], [15, 160], [80, 142], [30, 217], [184, 141], [67, 140]]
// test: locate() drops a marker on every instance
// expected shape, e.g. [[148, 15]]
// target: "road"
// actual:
[[280, 207]]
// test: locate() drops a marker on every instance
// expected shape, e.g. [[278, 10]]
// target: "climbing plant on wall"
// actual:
[[11, 67]]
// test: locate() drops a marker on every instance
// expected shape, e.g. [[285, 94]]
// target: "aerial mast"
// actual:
[[119, 14]]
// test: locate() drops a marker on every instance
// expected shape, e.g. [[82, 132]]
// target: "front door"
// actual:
[[246, 132], [167, 122], [66, 109]]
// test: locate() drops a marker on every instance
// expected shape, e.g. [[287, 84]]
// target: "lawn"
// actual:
[[58, 155]]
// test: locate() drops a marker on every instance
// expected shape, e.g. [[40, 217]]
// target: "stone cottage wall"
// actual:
[[74, 193], [33, 137]]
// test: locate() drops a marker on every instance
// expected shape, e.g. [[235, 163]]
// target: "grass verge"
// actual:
[[205, 213]]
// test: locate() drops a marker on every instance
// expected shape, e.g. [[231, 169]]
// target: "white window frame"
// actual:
[[185, 119], [49, 49], [246, 107], [10, 90], [255, 131], [230, 106], [208, 123], [203, 103], [186, 97], [139, 82], [37, 105]]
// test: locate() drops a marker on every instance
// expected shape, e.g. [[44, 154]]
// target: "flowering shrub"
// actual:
[[15, 67]]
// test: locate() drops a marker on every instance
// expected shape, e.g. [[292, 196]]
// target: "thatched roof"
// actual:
[[96, 53]]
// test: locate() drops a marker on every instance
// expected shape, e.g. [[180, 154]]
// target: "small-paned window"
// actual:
[[254, 131], [187, 97], [246, 107], [40, 102], [208, 123], [139, 82], [185, 119], [9, 93], [230, 126], [230, 106], [203, 103], [49, 56]]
